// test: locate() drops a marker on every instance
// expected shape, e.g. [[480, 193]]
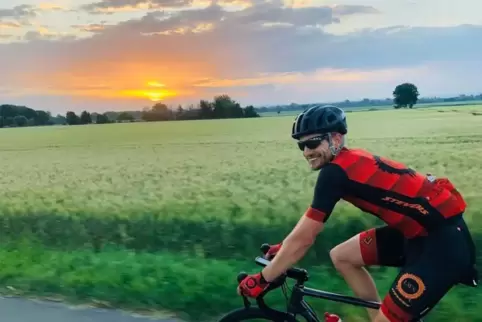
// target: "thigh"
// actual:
[[382, 246]]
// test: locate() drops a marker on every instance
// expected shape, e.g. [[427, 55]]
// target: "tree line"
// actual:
[[405, 95], [221, 107]]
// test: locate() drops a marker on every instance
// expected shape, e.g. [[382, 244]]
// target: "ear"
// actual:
[[337, 138]]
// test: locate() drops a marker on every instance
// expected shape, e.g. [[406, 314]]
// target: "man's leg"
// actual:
[[434, 265], [378, 246]]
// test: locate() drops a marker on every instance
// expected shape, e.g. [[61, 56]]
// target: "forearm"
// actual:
[[292, 251]]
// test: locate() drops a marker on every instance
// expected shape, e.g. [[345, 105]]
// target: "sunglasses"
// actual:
[[311, 143]]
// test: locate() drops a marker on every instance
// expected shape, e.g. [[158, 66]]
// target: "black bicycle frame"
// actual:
[[298, 306]]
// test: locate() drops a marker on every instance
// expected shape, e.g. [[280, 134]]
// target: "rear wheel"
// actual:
[[257, 314]]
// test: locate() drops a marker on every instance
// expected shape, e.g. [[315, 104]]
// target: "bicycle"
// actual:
[[296, 304]]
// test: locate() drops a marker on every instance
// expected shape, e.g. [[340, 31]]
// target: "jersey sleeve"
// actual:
[[329, 189]]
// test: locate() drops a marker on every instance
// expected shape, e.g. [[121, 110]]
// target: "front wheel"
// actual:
[[257, 314]]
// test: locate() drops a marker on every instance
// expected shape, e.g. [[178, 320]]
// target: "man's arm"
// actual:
[[328, 191], [294, 247]]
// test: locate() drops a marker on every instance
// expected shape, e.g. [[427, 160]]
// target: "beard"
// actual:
[[316, 161]]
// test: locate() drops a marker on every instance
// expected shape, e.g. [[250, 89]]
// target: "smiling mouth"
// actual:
[[313, 159]]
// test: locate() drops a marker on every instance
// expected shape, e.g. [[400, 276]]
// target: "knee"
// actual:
[[340, 258]]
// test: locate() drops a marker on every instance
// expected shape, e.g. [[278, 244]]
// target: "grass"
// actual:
[[199, 289], [195, 194]]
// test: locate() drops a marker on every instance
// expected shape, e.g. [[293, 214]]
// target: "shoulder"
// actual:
[[350, 157], [331, 174]]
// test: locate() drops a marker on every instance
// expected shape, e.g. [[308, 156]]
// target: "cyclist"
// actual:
[[425, 234]]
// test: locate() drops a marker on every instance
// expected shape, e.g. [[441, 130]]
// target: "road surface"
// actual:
[[14, 309]]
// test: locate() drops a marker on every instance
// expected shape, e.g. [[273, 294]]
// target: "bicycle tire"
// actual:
[[247, 314]]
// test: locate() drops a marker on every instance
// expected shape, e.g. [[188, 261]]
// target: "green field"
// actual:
[[155, 208], [454, 105]]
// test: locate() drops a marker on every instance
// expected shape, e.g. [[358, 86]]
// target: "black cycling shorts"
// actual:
[[429, 266]]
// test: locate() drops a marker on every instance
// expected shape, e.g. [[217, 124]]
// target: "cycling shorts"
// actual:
[[429, 266]]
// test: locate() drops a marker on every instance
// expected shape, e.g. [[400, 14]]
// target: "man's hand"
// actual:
[[273, 250], [252, 285]]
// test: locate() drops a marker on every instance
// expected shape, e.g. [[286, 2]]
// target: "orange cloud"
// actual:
[[130, 79], [299, 3], [198, 28], [50, 6], [94, 27], [8, 25], [325, 75]]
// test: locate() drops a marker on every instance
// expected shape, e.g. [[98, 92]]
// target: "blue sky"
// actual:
[[125, 54]]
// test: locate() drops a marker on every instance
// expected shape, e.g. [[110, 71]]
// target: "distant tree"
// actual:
[[59, 119], [225, 107], [20, 120], [125, 116], [159, 112], [405, 94], [85, 118], [249, 111], [102, 119], [42, 118], [72, 118], [179, 112], [206, 110], [8, 121]]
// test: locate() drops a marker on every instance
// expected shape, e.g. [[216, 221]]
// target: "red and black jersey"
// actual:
[[412, 202]]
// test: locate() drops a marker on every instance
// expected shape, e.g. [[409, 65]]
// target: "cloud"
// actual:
[[8, 24], [24, 15], [112, 6], [94, 27], [262, 52], [18, 12], [45, 6]]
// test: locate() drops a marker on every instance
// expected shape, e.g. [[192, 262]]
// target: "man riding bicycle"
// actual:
[[425, 236]]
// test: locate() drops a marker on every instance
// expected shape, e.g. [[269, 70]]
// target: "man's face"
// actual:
[[317, 149]]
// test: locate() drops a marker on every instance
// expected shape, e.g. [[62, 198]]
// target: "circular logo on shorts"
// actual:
[[410, 286]]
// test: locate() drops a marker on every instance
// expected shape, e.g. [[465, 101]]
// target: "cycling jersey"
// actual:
[[409, 201]]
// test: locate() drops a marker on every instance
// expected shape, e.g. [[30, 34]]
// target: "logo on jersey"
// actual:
[[392, 166], [415, 206]]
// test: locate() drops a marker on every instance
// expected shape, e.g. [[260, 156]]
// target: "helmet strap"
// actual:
[[334, 151]]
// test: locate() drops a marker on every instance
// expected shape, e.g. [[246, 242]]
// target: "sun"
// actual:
[[156, 92], [155, 96]]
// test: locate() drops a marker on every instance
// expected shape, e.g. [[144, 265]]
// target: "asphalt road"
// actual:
[[26, 310]]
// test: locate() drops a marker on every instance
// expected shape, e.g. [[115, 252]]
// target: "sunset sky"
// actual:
[[125, 54]]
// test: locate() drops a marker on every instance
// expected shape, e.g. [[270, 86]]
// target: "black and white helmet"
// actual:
[[320, 119]]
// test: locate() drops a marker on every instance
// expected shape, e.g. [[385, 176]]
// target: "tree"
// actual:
[[205, 109], [225, 107], [102, 119], [85, 118], [124, 116], [42, 118], [159, 112], [405, 94], [72, 118], [249, 111], [20, 120]]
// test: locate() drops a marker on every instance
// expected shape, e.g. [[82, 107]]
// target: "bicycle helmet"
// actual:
[[322, 119]]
